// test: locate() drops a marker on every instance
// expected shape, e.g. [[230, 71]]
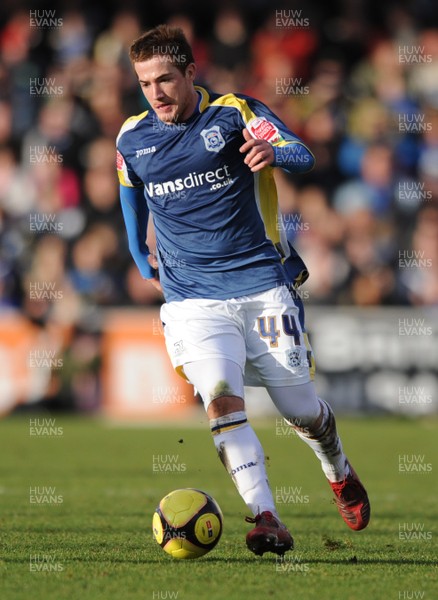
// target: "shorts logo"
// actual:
[[297, 360], [294, 357], [178, 348], [213, 139]]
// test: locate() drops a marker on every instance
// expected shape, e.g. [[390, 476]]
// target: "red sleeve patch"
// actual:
[[119, 161], [262, 129]]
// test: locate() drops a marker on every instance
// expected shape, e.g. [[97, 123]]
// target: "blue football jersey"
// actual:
[[218, 228]]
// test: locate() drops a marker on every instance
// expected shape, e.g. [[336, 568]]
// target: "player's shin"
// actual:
[[322, 436], [242, 455]]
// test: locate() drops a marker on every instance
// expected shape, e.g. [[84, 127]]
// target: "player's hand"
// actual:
[[155, 281], [260, 152]]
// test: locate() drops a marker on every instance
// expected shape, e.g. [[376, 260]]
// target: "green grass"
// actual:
[[100, 538]]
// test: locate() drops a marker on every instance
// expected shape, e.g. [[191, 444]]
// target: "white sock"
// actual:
[[242, 455], [323, 438]]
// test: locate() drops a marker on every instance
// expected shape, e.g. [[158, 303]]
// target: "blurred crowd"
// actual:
[[359, 86]]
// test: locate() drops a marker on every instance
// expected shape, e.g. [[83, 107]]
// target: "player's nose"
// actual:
[[157, 92]]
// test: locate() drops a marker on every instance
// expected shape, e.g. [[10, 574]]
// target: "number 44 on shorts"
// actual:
[[267, 327]]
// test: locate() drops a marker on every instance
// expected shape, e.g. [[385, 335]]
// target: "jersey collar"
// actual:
[[204, 100]]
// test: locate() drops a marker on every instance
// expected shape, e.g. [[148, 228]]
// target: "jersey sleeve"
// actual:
[[134, 208], [293, 156], [126, 174], [136, 215], [291, 153]]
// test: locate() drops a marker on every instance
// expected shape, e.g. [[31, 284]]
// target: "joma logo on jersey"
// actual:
[[144, 151], [191, 181], [213, 139]]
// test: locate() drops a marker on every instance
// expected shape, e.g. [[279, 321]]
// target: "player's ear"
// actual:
[[191, 71]]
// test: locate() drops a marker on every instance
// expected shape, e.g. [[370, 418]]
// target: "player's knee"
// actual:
[[313, 426], [225, 405]]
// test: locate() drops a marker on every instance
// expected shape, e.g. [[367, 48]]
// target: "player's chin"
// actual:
[[167, 116]]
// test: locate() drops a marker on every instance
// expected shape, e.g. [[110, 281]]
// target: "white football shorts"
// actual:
[[261, 333]]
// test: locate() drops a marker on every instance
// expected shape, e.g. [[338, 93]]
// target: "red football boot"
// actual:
[[352, 501], [269, 535]]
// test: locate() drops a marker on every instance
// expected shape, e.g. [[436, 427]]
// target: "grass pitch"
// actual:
[[76, 510]]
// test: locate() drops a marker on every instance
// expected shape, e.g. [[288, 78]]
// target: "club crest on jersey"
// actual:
[[213, 139]]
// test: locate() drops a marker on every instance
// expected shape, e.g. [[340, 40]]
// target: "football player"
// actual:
[[202, 165]]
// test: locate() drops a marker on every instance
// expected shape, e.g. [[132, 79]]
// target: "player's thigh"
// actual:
[[277, 347], [203, 335], [214, 379]]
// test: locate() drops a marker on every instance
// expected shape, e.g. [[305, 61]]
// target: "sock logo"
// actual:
[[242, 467]]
